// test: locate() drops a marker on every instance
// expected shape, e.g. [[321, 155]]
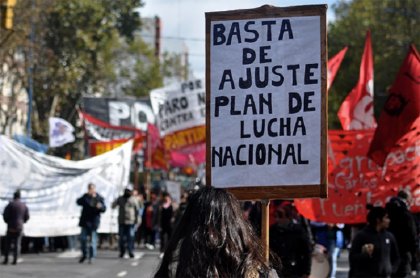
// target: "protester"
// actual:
[[336, 243], [128, 209], [150, 221], [292, 244], [138, 227], [213, 240], [403, 227], [181, 208], [93, 205], [15, 214], [374, 251], [166, 214]]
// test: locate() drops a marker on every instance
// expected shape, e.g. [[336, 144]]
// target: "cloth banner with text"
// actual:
[[129, 112], [50, 186], [355, 180], [101, 147], [103, 131], [180, 114], [179, 106]]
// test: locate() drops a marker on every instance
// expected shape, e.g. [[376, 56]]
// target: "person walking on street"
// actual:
[[93, 205], [128, 207], [374, 251], [403, 227], [150, 220], [166, 214], [15, 215]]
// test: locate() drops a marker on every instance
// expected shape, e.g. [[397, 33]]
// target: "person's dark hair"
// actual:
[[166, 194], [16, 195], [127, 193], [213, 240], [403, 194], [283, 212], [374, 214]]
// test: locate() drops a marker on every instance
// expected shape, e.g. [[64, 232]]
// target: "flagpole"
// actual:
[[147, 176]]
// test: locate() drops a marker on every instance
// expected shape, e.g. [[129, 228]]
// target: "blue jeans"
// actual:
[[126, 233], [88, 239]]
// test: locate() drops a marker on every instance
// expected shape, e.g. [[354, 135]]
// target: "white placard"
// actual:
[[265, 101], [179, 106], [174, 189]]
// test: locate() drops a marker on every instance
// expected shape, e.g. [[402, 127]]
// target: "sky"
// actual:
[[183, 21]]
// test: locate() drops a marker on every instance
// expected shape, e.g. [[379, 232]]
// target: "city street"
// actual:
[[107, 264], [65, 264]]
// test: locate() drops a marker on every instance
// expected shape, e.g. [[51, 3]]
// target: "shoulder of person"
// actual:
[[99, 197]]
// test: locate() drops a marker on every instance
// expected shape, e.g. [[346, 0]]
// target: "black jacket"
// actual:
[[385, 258], [15, 214], [291, 243], [402, 225], [90, 217]]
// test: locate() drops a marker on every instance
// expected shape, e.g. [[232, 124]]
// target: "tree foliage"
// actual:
[[75, 48], [394, 24]]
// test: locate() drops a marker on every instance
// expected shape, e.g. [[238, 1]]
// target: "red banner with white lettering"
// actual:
[[354, 180]]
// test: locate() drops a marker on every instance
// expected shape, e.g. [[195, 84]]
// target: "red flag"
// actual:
[[356, 112], [155, 153], [401, 109], [333, 66]]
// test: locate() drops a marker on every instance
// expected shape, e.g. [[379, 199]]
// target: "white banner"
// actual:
[[179, 106], [61, 132], [50, 186]]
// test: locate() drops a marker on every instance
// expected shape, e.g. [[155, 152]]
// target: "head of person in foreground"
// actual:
[[213, 240]]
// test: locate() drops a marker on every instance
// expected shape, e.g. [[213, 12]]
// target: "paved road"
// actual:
[[65, 264], [107, 265]]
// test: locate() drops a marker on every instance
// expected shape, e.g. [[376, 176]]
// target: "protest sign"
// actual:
[[174, 190], [266, 101], [179, 106]]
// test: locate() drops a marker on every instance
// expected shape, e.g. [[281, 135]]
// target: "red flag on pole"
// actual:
[[401, 109], [356, 112], [155, 153], [333, 66]]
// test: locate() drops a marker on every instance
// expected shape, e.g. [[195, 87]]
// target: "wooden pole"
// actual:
[[147, 170], [265, 237]]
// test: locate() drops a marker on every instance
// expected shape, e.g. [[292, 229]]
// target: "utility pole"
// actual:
[[30, 74]]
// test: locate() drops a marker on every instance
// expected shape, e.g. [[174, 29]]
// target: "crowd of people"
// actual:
[[211, 234]]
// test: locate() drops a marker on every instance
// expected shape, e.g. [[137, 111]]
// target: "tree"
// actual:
[[136, 68], [13, 68], [393, 24], [74, 48]]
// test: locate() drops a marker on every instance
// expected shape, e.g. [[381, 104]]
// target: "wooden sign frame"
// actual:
[[281, 191]]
